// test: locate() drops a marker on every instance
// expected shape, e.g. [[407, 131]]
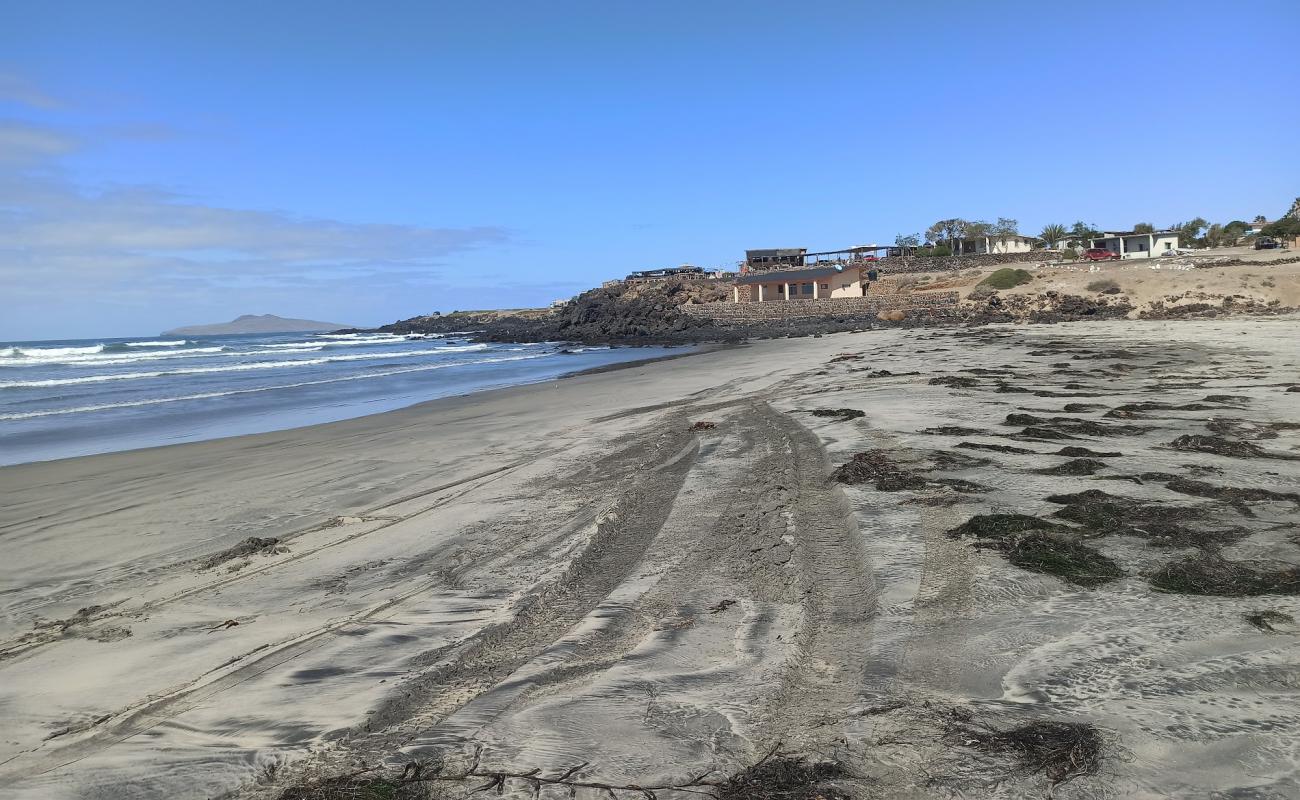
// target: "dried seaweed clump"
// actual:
[[1060, 751], [1075, 466], [1165, 524], [782, 777], [1268, 620], [704, 425], [876, 468], [250, 546], [955, 381], [840, 413], [350, 787], [1213, 575], [1040, 546]]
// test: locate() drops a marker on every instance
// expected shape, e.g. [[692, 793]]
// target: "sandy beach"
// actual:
[[662, 572]]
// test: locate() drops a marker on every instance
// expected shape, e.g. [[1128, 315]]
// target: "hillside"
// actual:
[[256, 323]]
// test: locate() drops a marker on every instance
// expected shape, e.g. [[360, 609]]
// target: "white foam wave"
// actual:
[[158, 344], [98, 358], [211, 395], [257, 365], [50, 353]]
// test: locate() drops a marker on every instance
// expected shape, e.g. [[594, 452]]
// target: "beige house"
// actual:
[[816, 283], [1137, 245], [993, 245]]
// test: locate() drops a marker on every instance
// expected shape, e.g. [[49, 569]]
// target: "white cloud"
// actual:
[[123, 243], [14, 89], [24, 145]]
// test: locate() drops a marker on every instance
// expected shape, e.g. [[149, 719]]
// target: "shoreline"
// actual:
[[511, 569], [560, 374]]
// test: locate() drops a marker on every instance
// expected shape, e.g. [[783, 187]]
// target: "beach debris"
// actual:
[[840, 413], [1220, 446], [1268, 620], [1229, 493], [1076, 466], [703, 425], [845, 357], [253, 545], [1211, 574], [721, 605], [1161, 524], [1060, 751], [1081, 408], [1083, 452], [230, 623], [998, 448], [955, 381], [952, 430], [1039, 545], [777, 776], [1245, 429], [874, 466]]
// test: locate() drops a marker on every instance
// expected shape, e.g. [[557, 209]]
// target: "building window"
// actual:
[[826, 287], [805, 288]]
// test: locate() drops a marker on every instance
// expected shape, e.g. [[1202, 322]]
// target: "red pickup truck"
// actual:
[[1099, 254]]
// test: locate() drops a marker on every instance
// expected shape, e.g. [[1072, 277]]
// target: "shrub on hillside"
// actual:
[[1070, 254], [1104, 286], [1007, 278]]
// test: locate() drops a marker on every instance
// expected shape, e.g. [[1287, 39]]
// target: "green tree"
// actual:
[[1144, 227], [947, 231], [1053, 235], [1189, 233], [1082, 233], [910, 240], [1005, 229]]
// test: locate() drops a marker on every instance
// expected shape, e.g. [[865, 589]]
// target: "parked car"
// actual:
[[1266, 243], [1099, 254]]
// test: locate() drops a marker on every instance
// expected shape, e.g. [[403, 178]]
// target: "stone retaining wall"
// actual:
[[777, 310], [893, 265]]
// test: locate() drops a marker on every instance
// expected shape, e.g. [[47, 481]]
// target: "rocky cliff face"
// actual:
[[631, 313]]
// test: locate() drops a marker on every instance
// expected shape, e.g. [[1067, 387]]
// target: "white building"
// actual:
[[996, 245], [809, 283], [1137, 245]]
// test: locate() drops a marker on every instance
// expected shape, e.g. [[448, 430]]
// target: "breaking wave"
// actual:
[[210, 395]]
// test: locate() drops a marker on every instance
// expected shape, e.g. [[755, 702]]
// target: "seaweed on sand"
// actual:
[[839, 413], [784, 777], [1219, 445], [1268, 619], [951, 430], [1103, 514], [955, 381], [1060, 751], [1038, 545], [873, 466], [1210, 574], [1076, 466], [250, 546], [1083, 452], [778, 775], [1232, 494], [997, 448], [350, 787]]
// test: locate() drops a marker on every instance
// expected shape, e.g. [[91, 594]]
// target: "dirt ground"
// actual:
[[1194, 278]]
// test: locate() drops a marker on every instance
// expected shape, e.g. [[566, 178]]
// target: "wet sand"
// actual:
[[565, 573]]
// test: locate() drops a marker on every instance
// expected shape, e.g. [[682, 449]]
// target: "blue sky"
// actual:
[[173, 163]]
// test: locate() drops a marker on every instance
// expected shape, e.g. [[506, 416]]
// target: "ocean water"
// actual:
[[69, 398]]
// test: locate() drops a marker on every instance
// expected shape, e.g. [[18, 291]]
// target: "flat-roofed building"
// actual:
[[775, 257], [809, 283], [1129, 244]]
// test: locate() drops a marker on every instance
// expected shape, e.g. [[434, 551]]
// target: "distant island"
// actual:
[[256, 323]]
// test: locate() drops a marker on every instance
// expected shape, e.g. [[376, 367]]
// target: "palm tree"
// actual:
[[1053, 234]]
